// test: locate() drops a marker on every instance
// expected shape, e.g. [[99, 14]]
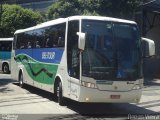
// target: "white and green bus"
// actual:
[[5, 54], [84, 58]]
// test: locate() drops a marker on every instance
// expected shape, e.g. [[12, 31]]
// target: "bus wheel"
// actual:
[[21, 84], [60, 97], [5, 68]]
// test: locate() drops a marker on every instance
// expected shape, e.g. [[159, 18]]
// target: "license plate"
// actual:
[[115, 96]]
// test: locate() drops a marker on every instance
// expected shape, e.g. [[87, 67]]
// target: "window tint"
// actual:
[[5, 45], [55, 36], [98, 57], [20, 41], [48, 37], [39, 36], [128, 50], [72, 49]]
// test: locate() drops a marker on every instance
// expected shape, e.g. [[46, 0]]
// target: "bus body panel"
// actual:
[[37, 70], [62, 73], [14, 67]]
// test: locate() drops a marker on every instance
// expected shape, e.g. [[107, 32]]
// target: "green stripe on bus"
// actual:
[[40, 72]]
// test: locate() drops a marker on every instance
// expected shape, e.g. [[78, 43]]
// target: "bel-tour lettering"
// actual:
[[48, 55]]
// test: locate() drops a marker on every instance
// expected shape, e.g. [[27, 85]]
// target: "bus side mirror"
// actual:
[[82, 40], [148, 47]]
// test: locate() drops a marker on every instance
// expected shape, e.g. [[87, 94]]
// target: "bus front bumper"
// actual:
[[98, 96]]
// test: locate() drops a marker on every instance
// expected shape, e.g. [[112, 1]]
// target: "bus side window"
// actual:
[[22, 46], [47, 45], [38, 38], [60, 42], [37, 44], [54, 43], [55, 36], [50, 32], [29, 45]]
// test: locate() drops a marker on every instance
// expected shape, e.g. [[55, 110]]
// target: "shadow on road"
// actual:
[[3, 83], [94, 110], [38, 91], [112, 110]]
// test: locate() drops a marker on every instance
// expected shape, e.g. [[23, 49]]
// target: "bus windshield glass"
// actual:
[[111, 52]]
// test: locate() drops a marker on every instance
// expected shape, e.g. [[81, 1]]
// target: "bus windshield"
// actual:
[[111, 52]]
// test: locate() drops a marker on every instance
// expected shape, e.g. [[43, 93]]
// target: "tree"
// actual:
[[15, 17], [120, 8], [64, 8], [113, 8]]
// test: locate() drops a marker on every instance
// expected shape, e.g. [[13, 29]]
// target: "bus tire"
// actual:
[[59, 94], [5, 68], [21, 83]]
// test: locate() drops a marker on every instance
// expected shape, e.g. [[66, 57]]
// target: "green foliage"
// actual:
[[120, 8], [64, 8], [113, 8], [15, 17]]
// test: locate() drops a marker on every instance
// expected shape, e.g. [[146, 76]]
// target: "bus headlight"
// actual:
[[88, 84], [136, 87]]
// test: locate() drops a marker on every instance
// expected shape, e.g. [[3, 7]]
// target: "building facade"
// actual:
[[148, 19]]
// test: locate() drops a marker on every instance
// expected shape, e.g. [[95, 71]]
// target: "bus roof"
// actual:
[[102, 18], [42, 25], [62, 20], [6, 39]]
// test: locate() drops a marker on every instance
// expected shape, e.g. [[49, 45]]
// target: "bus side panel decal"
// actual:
[[5, 55], [43, 69], [46, 55]]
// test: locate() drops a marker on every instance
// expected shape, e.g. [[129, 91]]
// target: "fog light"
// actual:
[[136, 87], [87, 99]]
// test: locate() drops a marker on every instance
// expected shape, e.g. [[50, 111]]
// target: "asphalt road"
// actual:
[[32, 103]]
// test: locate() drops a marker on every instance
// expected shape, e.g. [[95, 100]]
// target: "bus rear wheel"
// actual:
[[59, 94], [5, 68], [21, 83]]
